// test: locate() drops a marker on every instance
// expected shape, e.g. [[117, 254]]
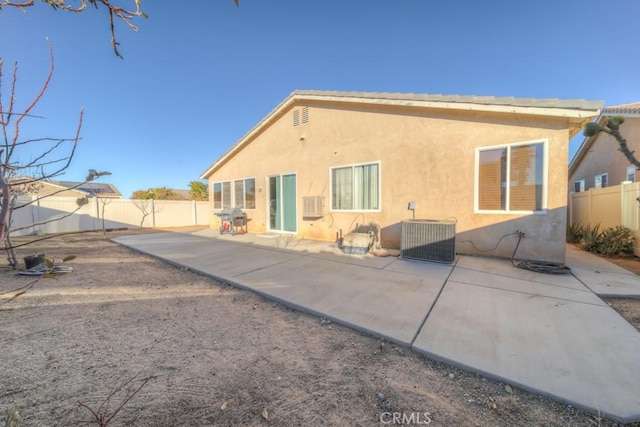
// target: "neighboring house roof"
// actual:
[[578, 110], [97, 189], [625, 110]]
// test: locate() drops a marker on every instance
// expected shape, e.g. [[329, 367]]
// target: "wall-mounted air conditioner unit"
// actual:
[[313, 207], [428, 240]]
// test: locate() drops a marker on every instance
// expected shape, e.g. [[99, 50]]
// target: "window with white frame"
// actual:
[[511, 177], [578, 186], [631, 173], [355, 187], [602, 180], [221, 194], [244, 191], [242, 196]]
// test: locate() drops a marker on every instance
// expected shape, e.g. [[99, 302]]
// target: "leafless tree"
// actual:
[[124, 14], [147, 207], [19, 176], [104, 201]]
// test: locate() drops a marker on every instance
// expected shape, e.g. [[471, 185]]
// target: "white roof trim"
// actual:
[[408, 101]]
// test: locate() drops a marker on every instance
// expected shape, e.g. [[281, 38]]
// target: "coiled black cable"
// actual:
[[538, 266]]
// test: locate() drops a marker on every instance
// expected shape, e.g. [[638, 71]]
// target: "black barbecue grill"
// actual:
[[233, 221]]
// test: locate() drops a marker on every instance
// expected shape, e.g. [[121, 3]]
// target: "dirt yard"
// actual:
[[213, 355]]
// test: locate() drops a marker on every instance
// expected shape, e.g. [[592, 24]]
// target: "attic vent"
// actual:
[[313, 207], [304, 111]]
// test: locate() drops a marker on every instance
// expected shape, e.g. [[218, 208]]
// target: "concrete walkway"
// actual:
[[550, 334]]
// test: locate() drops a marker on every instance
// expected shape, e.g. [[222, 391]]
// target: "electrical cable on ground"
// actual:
[[538, 266]]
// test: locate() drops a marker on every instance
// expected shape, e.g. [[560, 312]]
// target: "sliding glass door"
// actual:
[[282, 203]]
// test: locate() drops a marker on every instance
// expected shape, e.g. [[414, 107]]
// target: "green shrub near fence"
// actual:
[[613, 241]]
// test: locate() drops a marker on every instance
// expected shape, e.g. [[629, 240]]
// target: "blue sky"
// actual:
[[198, 76]]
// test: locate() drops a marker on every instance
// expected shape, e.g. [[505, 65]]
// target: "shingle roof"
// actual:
[[579, 104], [633, 108]]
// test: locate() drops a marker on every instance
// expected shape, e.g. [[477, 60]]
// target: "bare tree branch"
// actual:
[[123, 14], [43, 167], [29, 141], [35, 101]]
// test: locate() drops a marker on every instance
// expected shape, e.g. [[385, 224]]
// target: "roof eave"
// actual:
[[574, 115], [529, 110], [248, 136]]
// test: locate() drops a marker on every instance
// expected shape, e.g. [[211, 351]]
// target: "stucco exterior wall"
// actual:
[[426, 156], [605, 157]]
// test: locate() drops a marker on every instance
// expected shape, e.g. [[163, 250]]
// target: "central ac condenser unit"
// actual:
[[428, 240]]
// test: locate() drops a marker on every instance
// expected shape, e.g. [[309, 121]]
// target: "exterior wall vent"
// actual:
[[428, 240], [313, 207], [300, 116]]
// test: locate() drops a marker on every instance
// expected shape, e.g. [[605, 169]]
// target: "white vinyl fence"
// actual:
[[36, 217]]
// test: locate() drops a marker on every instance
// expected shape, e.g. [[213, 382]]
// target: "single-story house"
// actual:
[[45, 188], [598, 163], [91, 189], [324, 163]]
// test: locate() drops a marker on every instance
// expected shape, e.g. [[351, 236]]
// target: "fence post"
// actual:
[[153, 213], [590, 207], [636, 192], [194, 210], [623, 204], [570, 208]]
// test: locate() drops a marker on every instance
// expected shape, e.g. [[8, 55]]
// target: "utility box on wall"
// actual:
[[428, 240], [313, 207]]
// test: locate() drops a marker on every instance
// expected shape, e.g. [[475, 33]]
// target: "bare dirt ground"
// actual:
[[218, 356]]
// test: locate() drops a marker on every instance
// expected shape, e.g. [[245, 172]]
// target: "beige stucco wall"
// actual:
[[426, 156], [605, 157]]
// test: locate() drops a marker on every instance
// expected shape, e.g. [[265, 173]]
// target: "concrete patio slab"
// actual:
[[504, 268], [569, 288], [376, 301], [419, 268], [583, 354], [224, 260], [546, 333], [353, 290], [602, 277]]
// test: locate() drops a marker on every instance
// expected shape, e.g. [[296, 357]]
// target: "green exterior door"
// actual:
[[282, 203]]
